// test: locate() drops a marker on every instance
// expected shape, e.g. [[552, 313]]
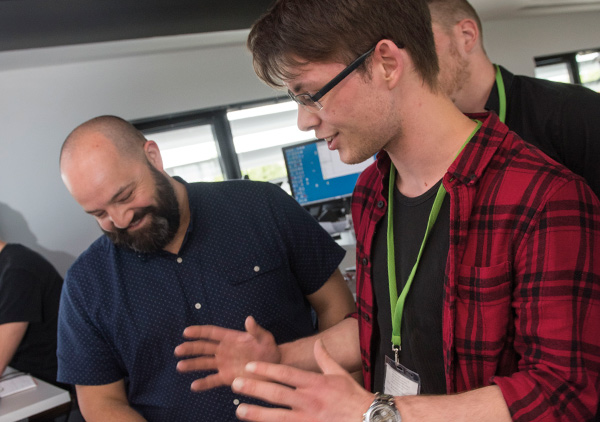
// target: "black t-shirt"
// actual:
[[30, 292], [560, 119], [421, 330]]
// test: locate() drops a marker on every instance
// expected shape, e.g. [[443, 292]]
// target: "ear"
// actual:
[[467, 34], [389, 60], [153, 154]]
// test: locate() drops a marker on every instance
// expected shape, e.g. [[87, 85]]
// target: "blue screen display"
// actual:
[[317, 174]]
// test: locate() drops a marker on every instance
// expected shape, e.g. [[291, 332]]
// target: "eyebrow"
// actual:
[[114, 197], [298, 89]]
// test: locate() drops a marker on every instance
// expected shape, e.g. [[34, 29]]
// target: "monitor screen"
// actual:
[[316, 174]]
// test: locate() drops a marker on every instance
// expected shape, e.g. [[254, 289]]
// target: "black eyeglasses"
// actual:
[[311, 102]]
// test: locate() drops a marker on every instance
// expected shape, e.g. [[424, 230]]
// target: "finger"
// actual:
[[196, 348], [204, 363], [255, 330], [207, 383], [252, 327], [283, 374], [248, 412], [208, 332], [325, 361], [269, 392]]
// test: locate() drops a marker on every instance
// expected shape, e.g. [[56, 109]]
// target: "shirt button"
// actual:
[[197, 306], [380, 204], [256, 269], [366, 367], [365, 261], [236, 402], [179, 260]]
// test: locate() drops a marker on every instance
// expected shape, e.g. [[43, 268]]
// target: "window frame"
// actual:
[[217, 119], [569, 58]]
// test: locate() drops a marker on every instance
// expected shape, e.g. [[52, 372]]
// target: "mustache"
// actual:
[[139, 214]]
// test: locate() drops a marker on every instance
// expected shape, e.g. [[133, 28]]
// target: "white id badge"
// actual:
[[400, 381]]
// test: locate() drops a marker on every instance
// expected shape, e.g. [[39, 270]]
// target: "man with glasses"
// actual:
[[478, 257]]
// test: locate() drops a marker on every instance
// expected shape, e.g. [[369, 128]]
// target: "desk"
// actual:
[[31, 402]]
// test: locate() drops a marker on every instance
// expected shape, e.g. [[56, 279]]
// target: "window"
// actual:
[[243, 140], [190, 153], [259, 133], [581, 67], [589, 69]]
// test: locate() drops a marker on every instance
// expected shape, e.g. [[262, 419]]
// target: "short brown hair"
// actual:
[[295, 32], [449, 12]]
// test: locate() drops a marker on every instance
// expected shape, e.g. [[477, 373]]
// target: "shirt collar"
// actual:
[[472, 161], [188, 233], [477, 154], [493, 101]]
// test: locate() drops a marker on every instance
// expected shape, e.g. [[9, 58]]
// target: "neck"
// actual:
[[429, 144], [473, 95], [184, 216], [2, 245]]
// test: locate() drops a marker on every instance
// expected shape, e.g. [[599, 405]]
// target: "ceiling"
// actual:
[[43, 23], [500, 9]]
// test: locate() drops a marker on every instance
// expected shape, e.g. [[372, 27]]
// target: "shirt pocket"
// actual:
[[484, 318], [264, 287], [253, 269]]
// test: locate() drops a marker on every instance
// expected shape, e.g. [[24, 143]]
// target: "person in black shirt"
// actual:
[[560, 119], [29, 296]]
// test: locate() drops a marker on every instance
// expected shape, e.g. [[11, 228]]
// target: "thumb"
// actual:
[[325, 361], [253, 328]]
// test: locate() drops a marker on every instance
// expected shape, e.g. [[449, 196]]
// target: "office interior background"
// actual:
[[180, 71]]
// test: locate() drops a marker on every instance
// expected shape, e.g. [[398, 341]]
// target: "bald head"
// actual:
[[123, 136], [106, 148]]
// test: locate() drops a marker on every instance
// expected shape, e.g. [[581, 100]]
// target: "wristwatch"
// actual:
[[382, 409]]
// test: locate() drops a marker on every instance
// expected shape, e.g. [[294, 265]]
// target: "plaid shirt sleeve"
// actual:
[[556, 300], [523, 299]]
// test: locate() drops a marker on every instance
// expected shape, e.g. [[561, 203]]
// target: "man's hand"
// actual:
[[225, 351], [307, 396]]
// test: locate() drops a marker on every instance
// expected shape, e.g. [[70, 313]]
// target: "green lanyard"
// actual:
[[397, 303], [501, 95]]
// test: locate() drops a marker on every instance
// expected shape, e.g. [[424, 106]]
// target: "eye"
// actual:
[[127, 197]]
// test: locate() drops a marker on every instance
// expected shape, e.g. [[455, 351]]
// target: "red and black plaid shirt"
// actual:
[[522, 288]]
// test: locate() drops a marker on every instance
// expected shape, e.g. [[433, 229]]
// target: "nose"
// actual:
[[307, 120], [120, 219]]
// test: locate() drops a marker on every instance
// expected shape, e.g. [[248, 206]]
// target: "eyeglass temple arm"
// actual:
[[342, 75]]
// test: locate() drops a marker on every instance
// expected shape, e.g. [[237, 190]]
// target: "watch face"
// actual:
[[383, 413]]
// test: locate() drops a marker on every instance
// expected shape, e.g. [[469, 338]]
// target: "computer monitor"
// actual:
[[316, 174]]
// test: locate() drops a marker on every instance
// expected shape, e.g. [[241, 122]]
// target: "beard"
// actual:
[[164, 220], [456, 75]]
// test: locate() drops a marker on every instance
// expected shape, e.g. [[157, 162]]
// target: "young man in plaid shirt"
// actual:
[[480, 289]]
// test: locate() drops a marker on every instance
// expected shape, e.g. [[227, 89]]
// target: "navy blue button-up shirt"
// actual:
[[250, 249]]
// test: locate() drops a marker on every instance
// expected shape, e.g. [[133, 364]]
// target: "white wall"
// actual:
[[515, 42], [47, 92]]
